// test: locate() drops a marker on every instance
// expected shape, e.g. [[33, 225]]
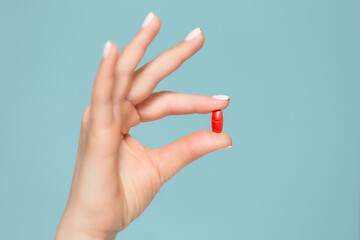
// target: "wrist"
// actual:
[[70, 229], [70, 234]]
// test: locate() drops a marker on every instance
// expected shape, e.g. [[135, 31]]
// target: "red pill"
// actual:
[[217, 121]]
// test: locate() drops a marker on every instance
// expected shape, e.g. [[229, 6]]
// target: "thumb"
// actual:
[[173, 157]]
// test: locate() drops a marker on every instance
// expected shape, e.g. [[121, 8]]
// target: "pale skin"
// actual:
[[116, 177]]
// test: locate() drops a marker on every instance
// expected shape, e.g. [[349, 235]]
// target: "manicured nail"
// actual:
[[106, 49], [221, 97], [193, 34], [226, 147], [148, 19]]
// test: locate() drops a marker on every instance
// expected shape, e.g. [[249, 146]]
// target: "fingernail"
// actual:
[[148, 19], [221, 97], [193, 34], [106, 49], [226, 147]]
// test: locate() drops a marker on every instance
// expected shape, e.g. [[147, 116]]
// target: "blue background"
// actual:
[[291, 68]]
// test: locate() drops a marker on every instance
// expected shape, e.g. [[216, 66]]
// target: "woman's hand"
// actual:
[[115, 177]]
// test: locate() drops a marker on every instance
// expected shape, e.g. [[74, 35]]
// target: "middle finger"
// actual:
[[148, 76]]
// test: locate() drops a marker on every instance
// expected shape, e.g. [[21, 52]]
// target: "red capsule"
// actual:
[[217, 121]]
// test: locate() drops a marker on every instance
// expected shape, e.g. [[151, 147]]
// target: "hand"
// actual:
[[115, 177]]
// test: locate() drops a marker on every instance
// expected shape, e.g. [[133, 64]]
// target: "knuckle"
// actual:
[[94, 97], [122, 70], [86, 114], [165, 92], [189, 149]]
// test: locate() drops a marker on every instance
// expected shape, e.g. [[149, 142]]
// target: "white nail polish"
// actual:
[[193, 34], [148, 19], [221, 97], [106, 49], [226, 147]]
